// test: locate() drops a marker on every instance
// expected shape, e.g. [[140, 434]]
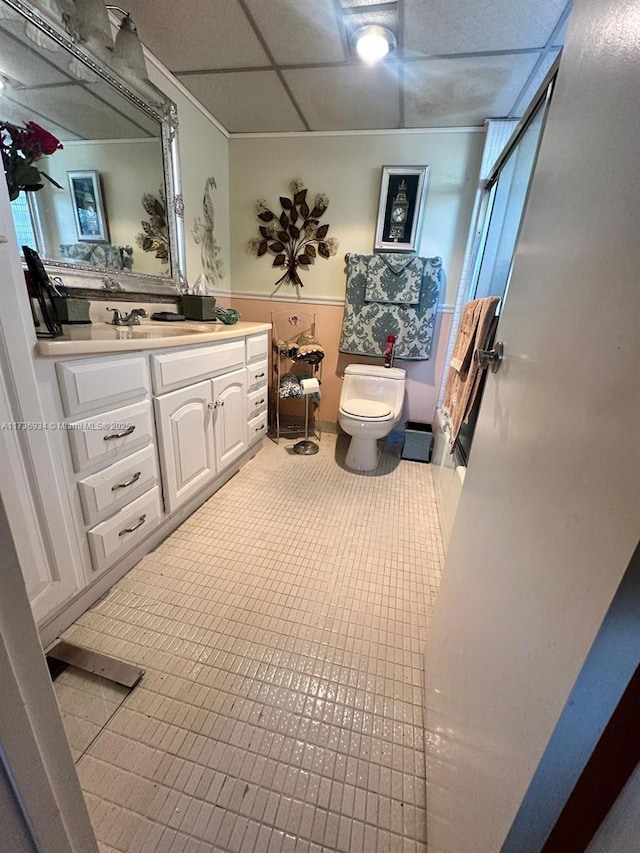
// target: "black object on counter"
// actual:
[[72, 311], [198, 307], [40, 288], [168, 317]]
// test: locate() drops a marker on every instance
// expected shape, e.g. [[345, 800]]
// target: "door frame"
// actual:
[[36, 758]]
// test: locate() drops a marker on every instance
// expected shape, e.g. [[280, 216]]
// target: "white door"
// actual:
[[230, 416], [41, 802], [548, 518], [185, 438], [32, 483]]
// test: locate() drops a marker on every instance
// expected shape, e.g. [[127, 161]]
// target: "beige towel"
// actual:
[[463, 381], [463, 348]]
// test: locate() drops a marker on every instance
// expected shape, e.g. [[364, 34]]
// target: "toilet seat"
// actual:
[[371, 410]]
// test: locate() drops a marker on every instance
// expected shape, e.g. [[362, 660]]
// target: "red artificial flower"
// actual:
[[47, 141], [20, 148]]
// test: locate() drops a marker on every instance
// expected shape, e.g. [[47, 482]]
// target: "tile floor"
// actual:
[[281, 629], [87, 703]]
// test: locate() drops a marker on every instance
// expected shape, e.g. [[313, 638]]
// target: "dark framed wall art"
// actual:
[[88, 206], [402, 194]]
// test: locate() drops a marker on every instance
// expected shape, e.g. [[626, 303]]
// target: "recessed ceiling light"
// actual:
[[373, 42]]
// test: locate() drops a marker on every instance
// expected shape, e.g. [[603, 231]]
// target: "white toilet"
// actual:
[[370, 406]]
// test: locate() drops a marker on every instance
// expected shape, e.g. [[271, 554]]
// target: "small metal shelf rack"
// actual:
[[287, 326]]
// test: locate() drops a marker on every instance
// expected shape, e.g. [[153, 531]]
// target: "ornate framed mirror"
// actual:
[[114, 222]]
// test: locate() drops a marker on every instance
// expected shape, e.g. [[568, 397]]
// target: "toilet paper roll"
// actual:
[[309, 386]]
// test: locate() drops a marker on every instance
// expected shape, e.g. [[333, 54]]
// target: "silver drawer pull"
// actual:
[[259, 403], [260, 427], [138, 524], [130, 482], [259, 376], [124, 434]]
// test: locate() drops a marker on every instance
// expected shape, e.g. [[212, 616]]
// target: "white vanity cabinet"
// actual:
[[145, 437], [257, 387], [113, 455], [185, 435], [230, 417], [202, 428]]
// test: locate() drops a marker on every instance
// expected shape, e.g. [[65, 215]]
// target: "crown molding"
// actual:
[[405, 131], [153, 60]]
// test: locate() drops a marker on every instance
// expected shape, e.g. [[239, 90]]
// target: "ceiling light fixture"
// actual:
[[373, 42], [128, 56]]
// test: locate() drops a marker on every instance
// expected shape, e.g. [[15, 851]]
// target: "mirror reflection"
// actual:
[[104, 204]]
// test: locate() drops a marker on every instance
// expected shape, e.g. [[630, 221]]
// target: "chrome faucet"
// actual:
[[130, 319]]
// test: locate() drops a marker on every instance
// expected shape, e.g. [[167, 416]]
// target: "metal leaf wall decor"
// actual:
[[155, 234], [295, 237]]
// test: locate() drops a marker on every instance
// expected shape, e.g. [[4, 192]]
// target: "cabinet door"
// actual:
[[230, 417], [185, 442]]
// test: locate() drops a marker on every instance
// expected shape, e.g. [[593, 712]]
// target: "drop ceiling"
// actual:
[[287, 65], [43, 83]]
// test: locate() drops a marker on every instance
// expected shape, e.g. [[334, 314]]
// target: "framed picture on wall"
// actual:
[[88, 206], [402, 193]]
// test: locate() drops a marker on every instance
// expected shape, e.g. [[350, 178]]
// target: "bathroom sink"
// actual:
[[146, 331], [104, 337]]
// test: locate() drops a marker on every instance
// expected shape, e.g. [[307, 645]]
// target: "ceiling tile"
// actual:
[[80, 112], [478, 25], [198, 34], [534, 84], [464, 92], [17, 114], [299, 33], [245, 101], [352, 97], [108, 95], [22, 63]]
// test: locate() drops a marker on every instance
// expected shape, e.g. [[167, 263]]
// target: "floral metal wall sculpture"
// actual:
[[295, 237]]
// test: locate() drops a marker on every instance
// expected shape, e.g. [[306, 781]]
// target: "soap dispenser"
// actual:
[[388, 351]]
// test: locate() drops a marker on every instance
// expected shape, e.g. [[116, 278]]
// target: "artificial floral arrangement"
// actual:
[[21, 148], [155, 234], [293, 244]]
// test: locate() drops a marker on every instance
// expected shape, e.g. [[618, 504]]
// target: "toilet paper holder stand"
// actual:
[[306, 447]]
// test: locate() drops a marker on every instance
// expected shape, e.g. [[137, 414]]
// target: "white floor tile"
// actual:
[[281, 628]]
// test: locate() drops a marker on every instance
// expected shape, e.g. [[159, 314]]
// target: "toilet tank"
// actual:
[[373, 382]]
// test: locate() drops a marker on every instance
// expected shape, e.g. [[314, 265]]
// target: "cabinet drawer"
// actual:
[[101, 383], [257, 347], [257, 403], [109, 490], [174, 369], [257, 427], [257, 376], [108, 437], [123, 531]]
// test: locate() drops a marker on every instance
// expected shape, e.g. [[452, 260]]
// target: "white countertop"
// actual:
[[106, 338]]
